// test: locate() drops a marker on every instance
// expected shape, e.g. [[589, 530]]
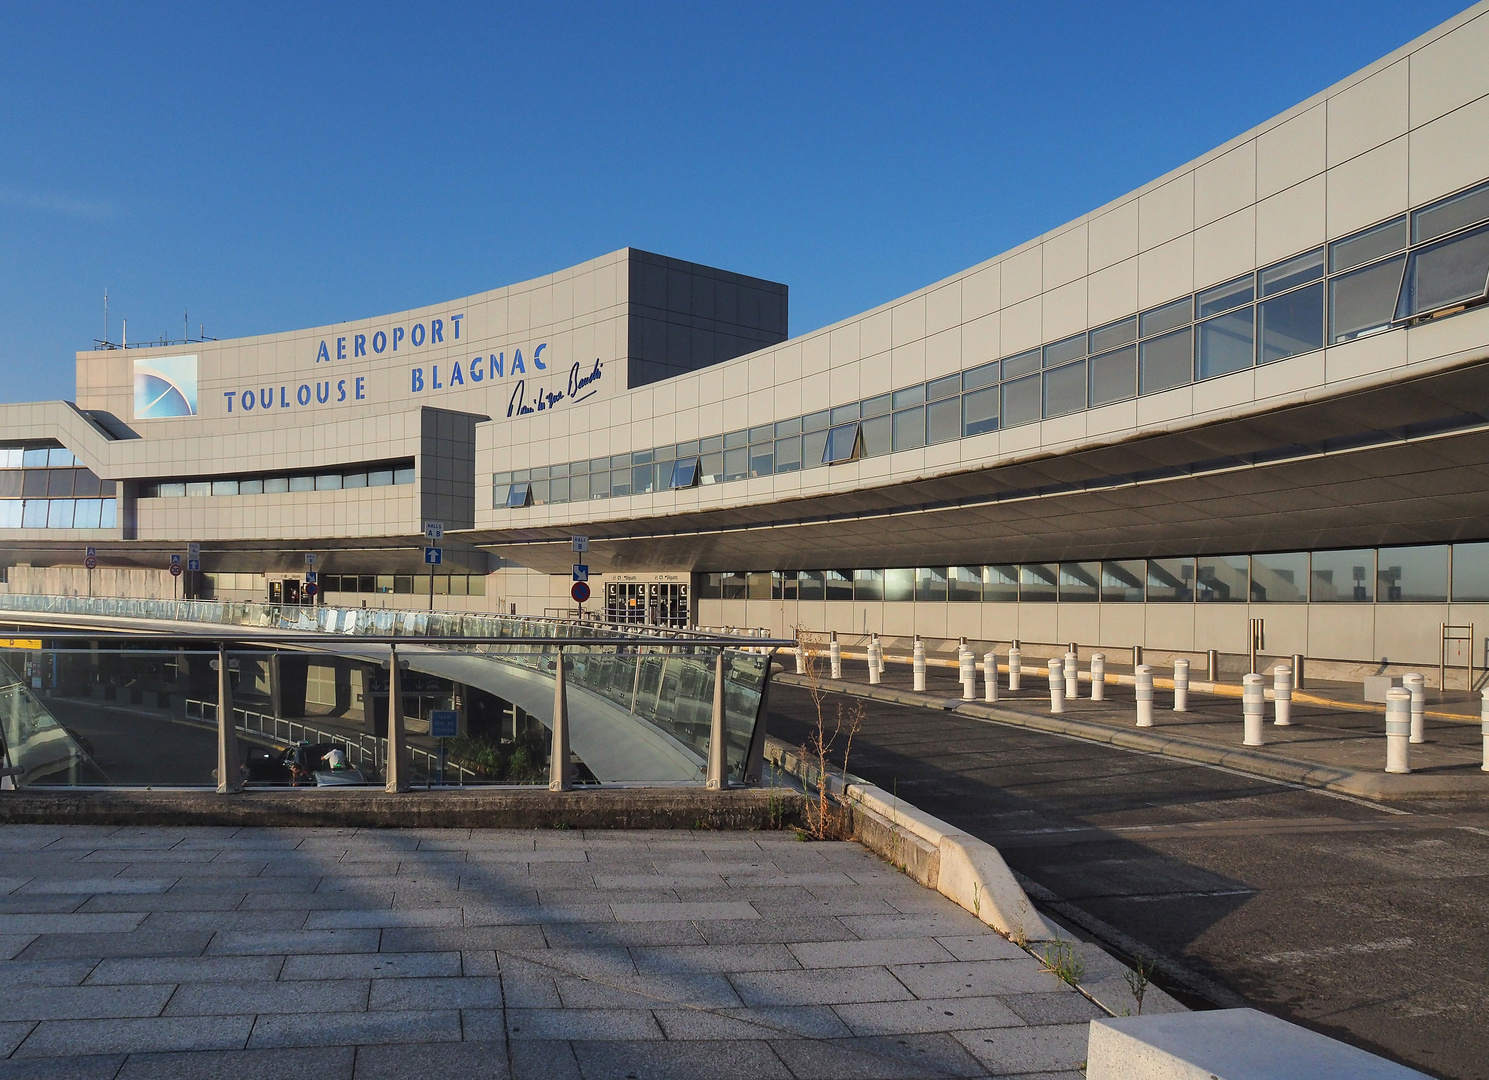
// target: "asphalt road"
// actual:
[[1369, 925], [135, 747]]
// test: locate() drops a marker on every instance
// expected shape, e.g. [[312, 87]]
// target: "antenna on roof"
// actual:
[[185, 325], [105, 316]]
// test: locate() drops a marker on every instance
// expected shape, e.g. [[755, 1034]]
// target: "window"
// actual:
[[733, 585], [1225, 344], [403, 584], [1170, 581], [1412, 574], [10, 513], [1080, 582], [1223, 579], [1113, 376], [1290, 273], [909, 428], [59, 482], [930, 583], [35, 458], [1218, 298], [176, 491], [1038, 582], [89, 514], [1446, 273], [60, 514], [757, 585], [817, 421], [375, 478], [868, 584], [1122, 582], [256, 487], [1291, 324], [1021, 401], [1025, 363], [813, 448], [736, 465], [1065, 389], [788, 454], [944, 387], [684, 473], [1167, 317], [783, 585], [964, 584], [297, 483], [1447, 215], [1342, 576], [1364, 301], [943, 421], [710, 586], [882, 405], [811, 585], [1072, 348], [980, 411], [1166, 362], [1114, 334], [838, 584], [642, 478], [843, 444], [34, 515], [899, 583], [977, 377], [878, 436], [1279, 579], [1000, 583], [325, 482], [520, 495], [762, 459], [1367, 244], [404, 475], [1471, 573], [200, 488]]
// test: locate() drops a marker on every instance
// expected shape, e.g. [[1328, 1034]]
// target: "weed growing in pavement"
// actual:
[[826, 817], [1063, 962], [1138, 977]]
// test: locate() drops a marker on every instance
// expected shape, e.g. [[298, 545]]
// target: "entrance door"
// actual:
[[291, 591], [276, 593]]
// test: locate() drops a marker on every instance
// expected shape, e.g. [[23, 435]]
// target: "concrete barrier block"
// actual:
[[1226, 1044], [974, 876]]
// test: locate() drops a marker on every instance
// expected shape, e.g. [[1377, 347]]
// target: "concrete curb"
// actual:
[[1378, 786]]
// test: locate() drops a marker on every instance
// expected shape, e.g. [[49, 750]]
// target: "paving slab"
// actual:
[[323, 1063]]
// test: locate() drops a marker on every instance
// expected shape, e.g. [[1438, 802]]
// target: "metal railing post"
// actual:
[[398, 759], [717, 763], [229, 764], [560, 773]]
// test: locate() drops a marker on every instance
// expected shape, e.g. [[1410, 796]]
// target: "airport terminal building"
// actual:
[[1255, 388]]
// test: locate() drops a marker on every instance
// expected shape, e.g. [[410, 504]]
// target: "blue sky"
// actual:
[[271, 167]]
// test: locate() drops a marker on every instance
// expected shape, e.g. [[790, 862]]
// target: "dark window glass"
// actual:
[[813, 449], [520, 495], [758, 585], [710, 586], [1290, 273], [930, 583], [810, 585], [1413, 574], [1021, 401], [620, 482], [737, 463], [1223, 578], [1113, 376], [909, 428], [732, 440], [1364, 301], [540, 492], [558, 488], [60, 483], [579, 488], [733, 585], [1065, 389], [619, 461], [911, 395], [817, 421], [1470, 573], [762, 460], [1225, 343], [1170, 315], [842, 414], [783, 585], [980, 411], [788, 454], [1291, 324], [1080, 582], [35, 484], [1114, 334], [1280, 578], [964, 584], [943, 421], [878, 436], [868, 584], [978, 377], [1000, 583], [1220, 298], [403, 583], [842, 444], [12, 482], [1446, 273], [1122, 581], [899, 583], [642, 479], [84, 484], [839, 584], [1342, 576], [877, 406], [1166, 362], [1023, 364], [597, 465], [1038, 582], [1071, 348], [1170, 581], [1367, 244], [1454, 212], [950, 386]]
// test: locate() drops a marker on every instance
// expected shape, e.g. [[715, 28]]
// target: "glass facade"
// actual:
[[47, 487]]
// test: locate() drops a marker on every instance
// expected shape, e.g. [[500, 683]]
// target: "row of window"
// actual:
[[1433, 260], [380, 476], [400, 584], [1423, 574], [53, 483], [58, 513], [37, 457]]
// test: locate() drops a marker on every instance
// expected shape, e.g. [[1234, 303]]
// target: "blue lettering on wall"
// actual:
[[322, 354], [455, 321], [322, 392], [455, 376], [397, 337], [434, 383], [436, 331], [266, 398], [517, 365], [537, 363], [360, 395], [284, 401], [416, 335], [341, 390], [418, 380], [341, 348], [476, 374], [581, 385], [247, 400], [379, 342], [302, 395], [498, 366], [359, 345], [230, 394]]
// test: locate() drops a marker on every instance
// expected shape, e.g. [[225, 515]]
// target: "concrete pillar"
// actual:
[[1253, 706], [990, 680], [835, 656], [1181, 685], [229, 764], [967, 669], [395, 769], [918, 664], [1282, 695], [1098, 676], [1072, 675], [560, 772], [718, 765], [1484, 725], [1398, 730], [1015, 667], [1057, 686], [1418, 688], [1143, 680], [876, 652]]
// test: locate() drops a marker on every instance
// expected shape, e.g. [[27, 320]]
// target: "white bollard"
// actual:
[[1282, 695], [990, 679], [1143, 681], [1253, 708], [967, 669], [1072, 676], [880, 645], [1418, 688], [918, 664], [1181, 685], [835, 657], [1098, 676], [1015, 668], [1398, 730], [876, 655], [1057, 687], [801, 660], [1484, 726]]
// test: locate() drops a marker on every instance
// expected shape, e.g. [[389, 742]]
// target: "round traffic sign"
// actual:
[[580, 592], [311, 588], [175, 569], [90, 562]]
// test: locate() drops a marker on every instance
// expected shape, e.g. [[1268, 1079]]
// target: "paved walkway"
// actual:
[[247, 953]]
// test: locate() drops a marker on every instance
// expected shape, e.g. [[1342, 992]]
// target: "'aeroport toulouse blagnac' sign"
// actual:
[[536, 383]]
